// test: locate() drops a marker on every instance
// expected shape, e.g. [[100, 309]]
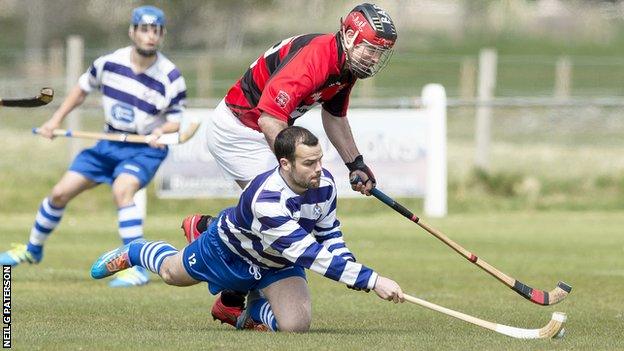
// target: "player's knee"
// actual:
[[167, 274], [297, 322], [300, 325], [58, 197], [122, 195]]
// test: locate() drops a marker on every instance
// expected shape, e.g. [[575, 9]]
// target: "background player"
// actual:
[[285, 221], [288, 80], [143, 93]]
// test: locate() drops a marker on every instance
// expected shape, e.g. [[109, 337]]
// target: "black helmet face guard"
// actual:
[[365, 60], [368, 36]]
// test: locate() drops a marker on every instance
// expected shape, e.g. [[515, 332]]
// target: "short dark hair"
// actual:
[[287, 140]]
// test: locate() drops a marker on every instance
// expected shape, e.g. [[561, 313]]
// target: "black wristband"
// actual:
[[357, 164]]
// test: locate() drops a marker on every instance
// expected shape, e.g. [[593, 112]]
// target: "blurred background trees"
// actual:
[[235, 24]]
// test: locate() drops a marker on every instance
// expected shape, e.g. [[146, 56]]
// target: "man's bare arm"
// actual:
[[270, 127], [339, 133]]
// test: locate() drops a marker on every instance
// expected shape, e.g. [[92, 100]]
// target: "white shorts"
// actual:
[[241, 152]]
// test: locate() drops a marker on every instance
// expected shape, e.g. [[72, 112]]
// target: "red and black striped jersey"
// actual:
[[290, 78]]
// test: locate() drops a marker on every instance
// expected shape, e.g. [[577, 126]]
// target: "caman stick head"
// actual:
[[44, 98]]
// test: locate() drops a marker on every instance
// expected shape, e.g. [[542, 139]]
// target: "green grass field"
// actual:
[[56, 306], [568, 228]]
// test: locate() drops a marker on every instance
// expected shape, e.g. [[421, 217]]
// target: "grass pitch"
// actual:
[[56, 305]]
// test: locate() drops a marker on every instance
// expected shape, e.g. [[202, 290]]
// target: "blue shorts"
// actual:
[[104, 162], [208, 259]]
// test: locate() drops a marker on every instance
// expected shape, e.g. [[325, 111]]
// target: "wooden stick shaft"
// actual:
[[165, 139], [504, 278], [128, 138], [459, 315]]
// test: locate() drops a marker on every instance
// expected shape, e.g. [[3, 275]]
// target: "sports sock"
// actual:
[[260, 311], [130, 223], [150, 254], [47, 219]]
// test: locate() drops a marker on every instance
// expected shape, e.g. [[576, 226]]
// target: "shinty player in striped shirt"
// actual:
[[285, 221], [144, 93]]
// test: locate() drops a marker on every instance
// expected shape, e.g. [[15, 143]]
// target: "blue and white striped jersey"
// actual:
[[273, 227], [136, 103]]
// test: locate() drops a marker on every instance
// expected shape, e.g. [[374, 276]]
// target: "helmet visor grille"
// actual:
[[366, 59]]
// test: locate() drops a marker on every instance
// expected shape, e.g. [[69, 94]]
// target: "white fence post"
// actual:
[[487, 84], [204, 71], [563, 78], [73, 69], [434, 101]]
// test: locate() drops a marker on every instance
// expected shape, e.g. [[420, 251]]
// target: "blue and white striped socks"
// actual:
[[48, 218], [260, 311], [150, 254], [130, 223]]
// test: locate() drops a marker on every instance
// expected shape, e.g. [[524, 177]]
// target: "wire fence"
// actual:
[[210, 74], [532, 130]]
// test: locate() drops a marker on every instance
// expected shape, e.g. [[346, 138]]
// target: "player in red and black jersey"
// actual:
[[288, 80], [281, 85], [292, 77]]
